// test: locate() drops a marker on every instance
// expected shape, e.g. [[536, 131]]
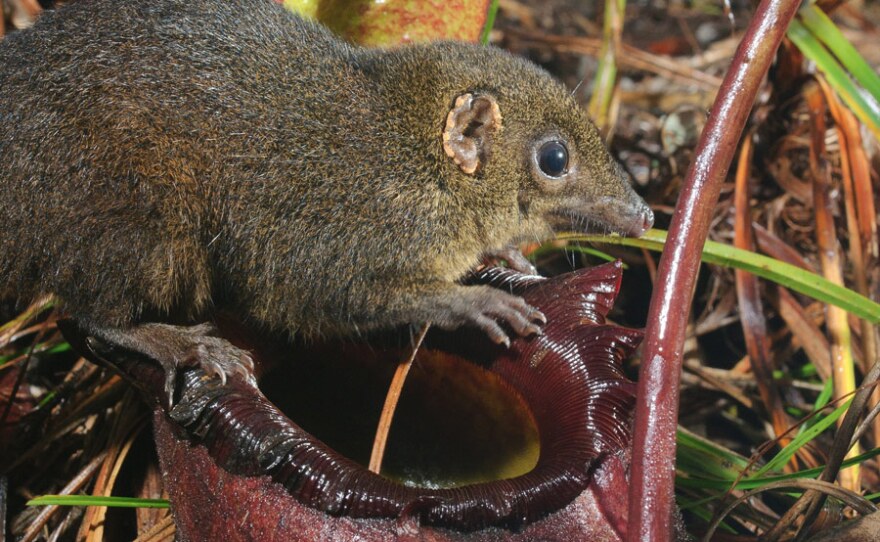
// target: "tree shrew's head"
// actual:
[[509, 125]]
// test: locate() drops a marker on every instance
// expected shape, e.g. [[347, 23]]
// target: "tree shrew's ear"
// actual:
[[471, 128]]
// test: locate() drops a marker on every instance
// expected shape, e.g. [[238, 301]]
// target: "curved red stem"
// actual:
[[651, 497]]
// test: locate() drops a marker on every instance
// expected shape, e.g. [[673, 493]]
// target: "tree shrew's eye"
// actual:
[[553, 158]]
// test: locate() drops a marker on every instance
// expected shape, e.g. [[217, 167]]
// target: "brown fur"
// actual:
[[160, 159]]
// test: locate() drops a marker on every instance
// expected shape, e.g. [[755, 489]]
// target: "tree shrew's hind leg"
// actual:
[[174, 347]]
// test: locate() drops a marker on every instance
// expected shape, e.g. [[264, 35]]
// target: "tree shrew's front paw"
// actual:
[[487, 308]]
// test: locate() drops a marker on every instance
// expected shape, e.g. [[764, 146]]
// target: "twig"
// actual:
[[811, 501], [13, 393], [76, 484], [606, 74], [866, 423], [628, 57], [394, 390], [752, 320], [162, 531], [853, 500], [127, 423], [861, 218], [842, 367]]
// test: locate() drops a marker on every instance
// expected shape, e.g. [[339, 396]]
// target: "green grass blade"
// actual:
[[700, 510], [731, 463], [490, 22], [781, 273], [823, 399], [861, 103], [90, 500], [823, 28], [754, 483], [574, 249], [800, 440], [39, 348]]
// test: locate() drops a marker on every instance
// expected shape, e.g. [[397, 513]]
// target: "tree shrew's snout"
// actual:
[[606, 215]]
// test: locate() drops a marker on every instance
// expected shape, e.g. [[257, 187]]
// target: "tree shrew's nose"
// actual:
[[642, 223]]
